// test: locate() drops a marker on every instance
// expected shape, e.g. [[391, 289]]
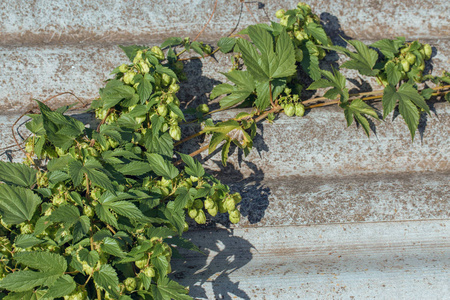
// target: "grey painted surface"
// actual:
[[39, 72], [114, 22], [377, 209], [395, 260]]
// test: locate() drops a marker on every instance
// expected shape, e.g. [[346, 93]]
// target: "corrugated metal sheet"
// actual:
[[327, 213]]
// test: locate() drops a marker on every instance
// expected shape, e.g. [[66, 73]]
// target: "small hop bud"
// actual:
[[280, 13], [123, 68]]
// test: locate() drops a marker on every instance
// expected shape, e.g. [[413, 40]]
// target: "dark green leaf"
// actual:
[[17, 174], [131, 51], [169, 289], [173, 41], [21, 281], [317, 32], [17, 204], [233, 99], [164, 70], [111, 246], [162, 167], [223, 88], [107, 279], [27, 240], [226, 44], [135, 168], [81, 228], [43, 261], [193, 166], [173, 107], [63, 286], [144, 88]]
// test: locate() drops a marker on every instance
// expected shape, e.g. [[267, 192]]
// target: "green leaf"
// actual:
[[173, 107], [310, 62], [164, 70], [263, 92], [388, 47], [21, 281], [355, 110], [223, 88], [27, 240], [131, 51], [91, 257], [393, 73], [225, 151], [111, 246], [17, 174], [363, 60], [182, 198], [63, 286], [17, 204], [317, 32], [43, 261], [408, 100], [134, 168], [284, 65], [251, 60], [66, 214], [193, 166], [160, 144], [107, 279], [197, 47], [161, 264], [226, 44], [162, 167], [81, 228], [167, 289], [243, 80], [114, 94], [233, 99], [173, 41], [216, 139], [144, 88]]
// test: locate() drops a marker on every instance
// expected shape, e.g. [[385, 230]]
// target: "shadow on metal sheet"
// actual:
[[210, 273]]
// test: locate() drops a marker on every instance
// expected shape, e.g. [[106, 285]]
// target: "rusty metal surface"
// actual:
[[395, 260], [103, 22]]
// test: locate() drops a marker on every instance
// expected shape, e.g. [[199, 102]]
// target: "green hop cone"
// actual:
[[123, 68], [162, 110], [175, 132], [185, 227], [78, 294], [201, 217], [405, 65], [26, 228], [88, 211], [203, 108], [235, 216], [130, 284], [411, 58], [141, 263], [209, 203], [149, 272], [428, 51], [207, 49], [301, 35], [237, 198], [289, 109], [192, 212], [213, 210], [174, 88], [284, 21], [166, 80], [128, 78], [298, 55], [280, 13], [299, 110], [138, 57], [159, 54], [198, 204]]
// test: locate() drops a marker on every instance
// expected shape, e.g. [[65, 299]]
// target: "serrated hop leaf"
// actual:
[[201, 217], [159, 54], [280, 13]]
